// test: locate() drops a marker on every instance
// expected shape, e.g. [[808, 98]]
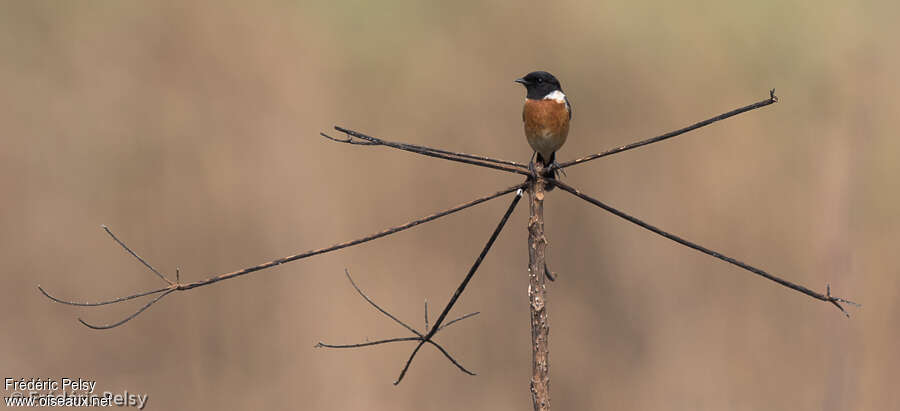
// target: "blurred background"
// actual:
[[191, 129]]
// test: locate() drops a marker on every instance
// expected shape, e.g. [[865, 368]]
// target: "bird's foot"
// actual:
[[555, 168]]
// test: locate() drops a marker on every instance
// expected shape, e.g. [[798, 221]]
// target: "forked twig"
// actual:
[[418, 335], [179, 286], [796, 287]]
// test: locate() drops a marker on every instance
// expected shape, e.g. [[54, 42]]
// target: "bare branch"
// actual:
[[369, 300], [366, 344], [133, 254], [772, 99], [451, 322], [113, 301], [179, 286], [796, 287], [369, 140], [409, 362], [346, 244], [497, 164], [475, 265], [350, 140], [449, 357]]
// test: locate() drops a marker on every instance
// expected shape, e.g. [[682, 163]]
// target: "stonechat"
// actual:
[[546, 116]]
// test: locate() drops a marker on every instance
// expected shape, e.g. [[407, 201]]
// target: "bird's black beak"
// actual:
[[522, 81]]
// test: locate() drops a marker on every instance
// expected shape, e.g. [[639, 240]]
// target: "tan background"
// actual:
[[191, 130]]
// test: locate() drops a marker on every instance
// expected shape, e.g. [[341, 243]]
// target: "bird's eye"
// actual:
[[540, 80]]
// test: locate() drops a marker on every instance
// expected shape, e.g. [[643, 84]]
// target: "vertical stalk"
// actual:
[[537, 291]]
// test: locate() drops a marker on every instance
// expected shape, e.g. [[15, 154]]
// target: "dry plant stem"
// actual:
[[414, 148], [187, 286], [772, 99], [133, 254], [504, 165], [827, 297], [537, 297]]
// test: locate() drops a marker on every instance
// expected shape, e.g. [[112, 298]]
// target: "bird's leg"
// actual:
[[531, 164]]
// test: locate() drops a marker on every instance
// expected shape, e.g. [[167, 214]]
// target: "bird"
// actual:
[[546, 117]]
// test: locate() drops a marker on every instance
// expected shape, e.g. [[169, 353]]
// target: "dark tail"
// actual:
[[547, 163]]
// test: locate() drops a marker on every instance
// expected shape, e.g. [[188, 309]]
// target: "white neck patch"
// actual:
[[556, 95]]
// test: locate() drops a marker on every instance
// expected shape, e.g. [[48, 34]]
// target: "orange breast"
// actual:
[[546, 125]]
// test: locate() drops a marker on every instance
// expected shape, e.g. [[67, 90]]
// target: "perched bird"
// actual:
[[546, 116]]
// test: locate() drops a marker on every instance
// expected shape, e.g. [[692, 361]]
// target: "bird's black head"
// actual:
[[539, 84]]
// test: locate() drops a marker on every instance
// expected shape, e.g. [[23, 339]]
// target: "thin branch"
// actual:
[[487, 247], [179, 286], [772, 99], [350, 140], [113, 301], [451, 322], [369, 140], [346, 244], [796, 287], [369, 300], [450, 357], [366, 344], [409, 362], [497, 164], [133, 254]]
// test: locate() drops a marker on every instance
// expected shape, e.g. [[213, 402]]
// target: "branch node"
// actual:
[[420, 337]]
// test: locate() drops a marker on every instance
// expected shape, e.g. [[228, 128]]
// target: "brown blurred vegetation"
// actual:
[[190, 128]]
